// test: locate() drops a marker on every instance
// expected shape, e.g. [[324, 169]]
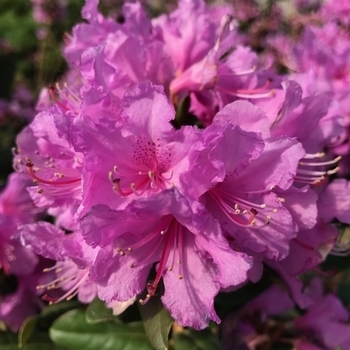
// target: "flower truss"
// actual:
[[176, 161]]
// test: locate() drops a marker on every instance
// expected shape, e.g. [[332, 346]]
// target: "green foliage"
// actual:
[[97, 312], [72, 331], [189, 339], [157, 322]]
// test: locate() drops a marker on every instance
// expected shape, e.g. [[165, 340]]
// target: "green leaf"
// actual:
[[26, 330], [157, 322], [199, 340], [8, 338], [39, 341], [97, 312], [184, 342], [50, 313], [73, 332]]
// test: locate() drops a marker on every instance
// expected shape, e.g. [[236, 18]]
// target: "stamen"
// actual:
[[314, 155], [47, 182], [330, 162], [52, 90]]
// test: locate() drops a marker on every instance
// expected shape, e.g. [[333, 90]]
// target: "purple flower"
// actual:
[[44, 154], [192, 257], [138, 154], [328, 320], [74, 258], [234, 175]]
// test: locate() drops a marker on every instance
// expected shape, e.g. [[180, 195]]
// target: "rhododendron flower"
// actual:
[[238, 188], [193, 258], [139, 154], [73, 256], [45, 155]]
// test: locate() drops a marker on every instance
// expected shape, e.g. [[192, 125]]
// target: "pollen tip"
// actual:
[[129, 249], [39, 190], [29, 163], [180, 277], [275, 210], [254, 211], [272, 187], [141, 301], [132, 265]]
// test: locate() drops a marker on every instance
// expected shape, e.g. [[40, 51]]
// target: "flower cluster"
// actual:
[[176, 161]]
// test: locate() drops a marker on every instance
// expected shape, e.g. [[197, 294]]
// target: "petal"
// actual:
[[246, 115], [190, 300], [334, 202]]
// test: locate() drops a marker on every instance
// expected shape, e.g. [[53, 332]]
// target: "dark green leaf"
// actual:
[[51, 312], [38, 341], [98, 312], [26, 330], [8, 338], [73, 332], [184, 342], [157, 322]]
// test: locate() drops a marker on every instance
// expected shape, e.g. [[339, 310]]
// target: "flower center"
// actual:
[[240, 209]]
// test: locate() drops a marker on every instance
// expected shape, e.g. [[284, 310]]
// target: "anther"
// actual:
[[129, 249], [180, 277], [39, 190], [254, 211]]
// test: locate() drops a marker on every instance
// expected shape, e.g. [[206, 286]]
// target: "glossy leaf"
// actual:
[[157, 322], [26, 330], [72, 331], [98, 312]]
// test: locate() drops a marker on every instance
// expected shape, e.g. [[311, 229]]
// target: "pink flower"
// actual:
[[193, 258]]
